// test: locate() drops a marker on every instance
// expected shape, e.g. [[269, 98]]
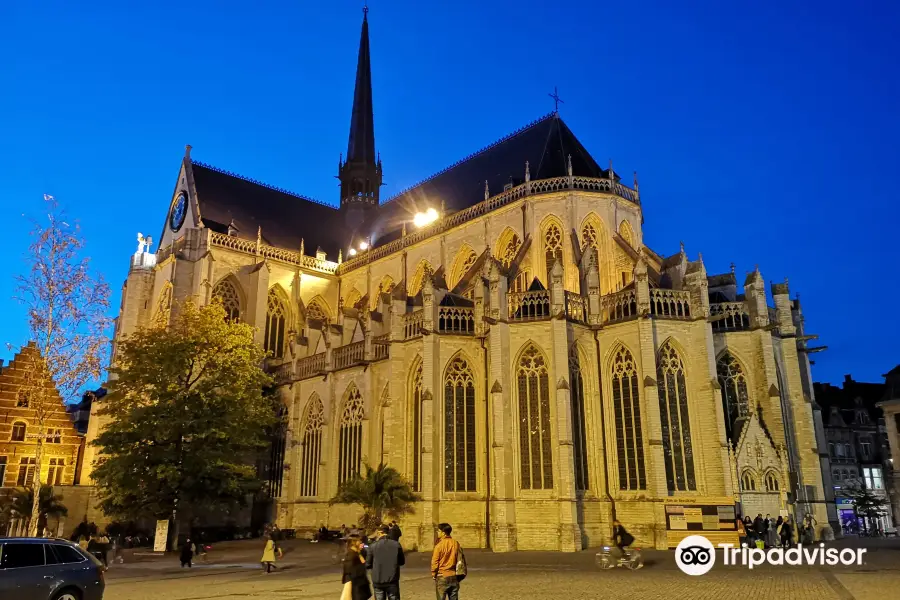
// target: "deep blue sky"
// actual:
[[763, 134]]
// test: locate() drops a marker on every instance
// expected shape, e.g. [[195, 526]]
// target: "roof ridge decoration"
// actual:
[[261, 183], [473, 155]]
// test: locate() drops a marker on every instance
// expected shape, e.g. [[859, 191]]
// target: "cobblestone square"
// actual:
[[310, 573]]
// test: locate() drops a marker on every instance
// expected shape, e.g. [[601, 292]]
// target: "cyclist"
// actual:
[[622, 539]]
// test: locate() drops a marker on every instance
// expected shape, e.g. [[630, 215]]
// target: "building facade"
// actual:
[[858, 447], [890, 405], [502, 334], [62, 451]]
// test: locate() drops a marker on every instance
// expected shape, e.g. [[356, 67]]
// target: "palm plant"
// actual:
[[381, 491], [50, 505]]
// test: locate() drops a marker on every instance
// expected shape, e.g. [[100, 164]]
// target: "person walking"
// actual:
[[395, 531], [384, 559], [809, 529], [187, 553], [787, 533], [443, 564], [269, 552], [354, 580]]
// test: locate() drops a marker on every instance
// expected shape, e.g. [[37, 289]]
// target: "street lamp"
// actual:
[[426, 218]]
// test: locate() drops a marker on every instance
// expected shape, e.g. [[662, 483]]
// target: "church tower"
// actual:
[[360, 175]]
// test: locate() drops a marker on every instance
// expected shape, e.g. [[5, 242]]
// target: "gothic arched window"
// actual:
[[579, 440], [626, 232], [748, 482], [734, 390], [459, 427], [534, 420], [629, 433], [227, 294], [510, 251], [465, 258], [553, 249], [676, 425], [276, 319], [350, 442], [422, 271], [772, 484], [315, 310], [415, 399], [312, 447]]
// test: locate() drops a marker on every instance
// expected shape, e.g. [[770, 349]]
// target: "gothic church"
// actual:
[[502, 334]]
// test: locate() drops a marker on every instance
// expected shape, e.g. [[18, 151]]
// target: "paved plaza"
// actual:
[[309, 572]]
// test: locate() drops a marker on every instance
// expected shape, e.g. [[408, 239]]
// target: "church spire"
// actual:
[[360, 174], [361, 146]]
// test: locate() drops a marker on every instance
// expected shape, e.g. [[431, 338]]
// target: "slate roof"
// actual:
[[285, 217], [546, 144]]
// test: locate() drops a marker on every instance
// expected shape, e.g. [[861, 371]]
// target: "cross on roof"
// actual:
[[556, 99]]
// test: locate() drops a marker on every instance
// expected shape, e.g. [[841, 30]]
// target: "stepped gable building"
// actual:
[[502, 334]]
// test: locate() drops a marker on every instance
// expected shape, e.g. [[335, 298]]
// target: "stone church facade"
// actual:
[[501, 334]]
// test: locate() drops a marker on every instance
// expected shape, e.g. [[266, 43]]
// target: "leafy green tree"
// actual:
[[381, 492], [187, 416], [866, 503], [49, 505]]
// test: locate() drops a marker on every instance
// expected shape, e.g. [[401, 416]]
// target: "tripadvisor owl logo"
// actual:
[[696, 555]]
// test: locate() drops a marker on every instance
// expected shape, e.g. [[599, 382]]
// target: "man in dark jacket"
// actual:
[[622, 539], [384, 558], [395, 531]]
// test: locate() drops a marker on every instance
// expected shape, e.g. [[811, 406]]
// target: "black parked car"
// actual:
[[48, 569]]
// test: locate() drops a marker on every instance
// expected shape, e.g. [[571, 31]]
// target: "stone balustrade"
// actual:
[[576, 307], [528, 306], [540, 186], [619, 306], [412, 324], [456, 319], [263, 250], [670, 304], [349, 355], [381, 346], [310, 366], [734, 316]]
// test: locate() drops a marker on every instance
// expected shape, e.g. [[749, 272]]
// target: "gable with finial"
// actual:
[[755, 449]]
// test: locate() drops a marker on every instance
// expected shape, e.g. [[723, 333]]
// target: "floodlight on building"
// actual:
[[363, 246], [426, 218], [352, 252]]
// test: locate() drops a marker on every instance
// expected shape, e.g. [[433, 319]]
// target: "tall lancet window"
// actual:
[[415, 400], [553, 241], [227, 294], [276, 319], [579, 439], [676, 425], [351, 436], [536, 455], [734, 390], [311, 447], [629, 432], [459, 427]]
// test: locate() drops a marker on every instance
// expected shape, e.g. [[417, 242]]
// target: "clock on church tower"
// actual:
[[179, 211]]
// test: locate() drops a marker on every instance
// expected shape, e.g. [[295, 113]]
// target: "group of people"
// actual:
[[384, 557], [766, 532]]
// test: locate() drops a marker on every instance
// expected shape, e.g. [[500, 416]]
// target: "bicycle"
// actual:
[[631, 560]]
